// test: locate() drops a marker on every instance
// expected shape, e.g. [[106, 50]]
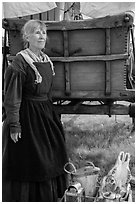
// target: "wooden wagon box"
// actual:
[[90, 56]]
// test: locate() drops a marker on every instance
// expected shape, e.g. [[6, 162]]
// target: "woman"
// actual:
[[34, 151]]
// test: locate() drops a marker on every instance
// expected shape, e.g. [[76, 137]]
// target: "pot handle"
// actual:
[[89, 163], [72, 165]]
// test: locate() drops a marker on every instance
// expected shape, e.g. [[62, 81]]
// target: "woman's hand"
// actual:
[[15, 136]]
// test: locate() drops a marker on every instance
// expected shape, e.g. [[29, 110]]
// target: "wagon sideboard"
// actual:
[[90, 57]]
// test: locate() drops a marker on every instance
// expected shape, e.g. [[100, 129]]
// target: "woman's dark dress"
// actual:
[[39, 156]]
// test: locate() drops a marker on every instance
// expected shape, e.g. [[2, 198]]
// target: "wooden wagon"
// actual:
[[93, 61]]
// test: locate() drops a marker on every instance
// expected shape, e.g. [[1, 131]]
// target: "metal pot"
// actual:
[[87, 176]]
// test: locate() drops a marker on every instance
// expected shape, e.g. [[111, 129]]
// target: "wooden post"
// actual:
[[108, 65], [67, 70], [4, 63]]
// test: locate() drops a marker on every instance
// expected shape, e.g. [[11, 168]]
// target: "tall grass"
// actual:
[[99, 143]]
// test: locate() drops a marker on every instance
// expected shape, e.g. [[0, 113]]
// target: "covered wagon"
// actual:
[[93, 60]]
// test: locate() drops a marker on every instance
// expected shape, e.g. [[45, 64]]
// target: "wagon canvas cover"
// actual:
[[89, 9], [91, 56]]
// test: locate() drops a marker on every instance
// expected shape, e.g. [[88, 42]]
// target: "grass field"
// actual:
[[99, 139]]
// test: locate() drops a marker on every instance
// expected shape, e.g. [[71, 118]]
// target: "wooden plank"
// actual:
[[59, 79], [118, 40], [87, 76], [105, 22], [52, 15], [44, 16], [91, 58], [108, 65], [78, 41], [86, 58], [67, 79], [35, 16], [27, 17], [15, 42], [117, 75], [89, 42], [108, 79], [57, 11], [114, 109], [120, 95]]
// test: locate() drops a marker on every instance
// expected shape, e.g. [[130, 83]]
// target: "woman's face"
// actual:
[[37, 39]]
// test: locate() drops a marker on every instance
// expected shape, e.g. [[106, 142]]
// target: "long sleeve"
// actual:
[[14, 79]]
